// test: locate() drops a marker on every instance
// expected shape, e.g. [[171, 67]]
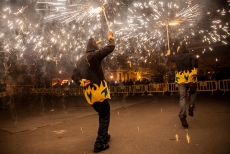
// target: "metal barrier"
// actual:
[[173, 87], [123, 89], [32, 90], [113, 90], [206, 86], [75, 91], [57, 91], [138, 89], [224, 85], [81, 91], [202, 86], [20, 90], [35, 90], [11, 90], [159, 87], [66, 90], [40, 90], [47, 91]]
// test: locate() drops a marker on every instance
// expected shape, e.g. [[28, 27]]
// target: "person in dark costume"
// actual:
[[88, 73], [186, 78]]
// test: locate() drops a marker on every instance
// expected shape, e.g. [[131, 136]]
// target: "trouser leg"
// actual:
[[103, 109], [193, 94], [183, 94]]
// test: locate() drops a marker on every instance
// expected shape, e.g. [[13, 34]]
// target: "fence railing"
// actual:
[[224, 85], [157, 88], [202, 86], [207, 86], [172, 88], [138, 89]]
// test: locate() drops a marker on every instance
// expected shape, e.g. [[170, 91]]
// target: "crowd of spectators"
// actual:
[[215, 76]]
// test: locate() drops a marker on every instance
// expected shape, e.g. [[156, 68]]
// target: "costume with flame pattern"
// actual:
[[186, 77], [89, 67], [89, 74], [187, 65]]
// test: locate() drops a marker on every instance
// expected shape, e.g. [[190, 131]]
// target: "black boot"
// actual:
[[108, 138], [101, 147], [183, 121]]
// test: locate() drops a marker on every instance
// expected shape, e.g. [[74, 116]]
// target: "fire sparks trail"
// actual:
[[188, 138], [62, 29], [69, 15], [177, 137]]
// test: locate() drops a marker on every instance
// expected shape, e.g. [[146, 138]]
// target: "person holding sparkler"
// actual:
[[89, 74], [186, 77]]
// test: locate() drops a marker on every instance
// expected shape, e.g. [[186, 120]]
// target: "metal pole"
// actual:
[[167, 28], [106, 18]]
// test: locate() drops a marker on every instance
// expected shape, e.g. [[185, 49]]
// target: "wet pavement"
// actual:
[[139, 125]]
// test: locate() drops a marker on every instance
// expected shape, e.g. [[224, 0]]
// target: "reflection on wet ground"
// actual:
[[32, 112]]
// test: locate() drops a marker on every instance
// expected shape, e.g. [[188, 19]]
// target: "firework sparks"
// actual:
[[77, 12], [188, 138], [21, 10], [177, 137], [139, 28], [188, 14]]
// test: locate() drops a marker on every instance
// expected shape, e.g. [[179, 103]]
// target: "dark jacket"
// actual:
[[2, 87], [186, 64], [89, 67]]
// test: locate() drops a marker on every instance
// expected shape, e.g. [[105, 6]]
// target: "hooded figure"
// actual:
[[186, 64], [186, 77], [92, 45], [89, 74], [89, 67]]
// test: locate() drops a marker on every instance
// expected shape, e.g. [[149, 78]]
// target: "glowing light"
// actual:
[[175, 22], [188, 138], [96, 10], [177, 137]]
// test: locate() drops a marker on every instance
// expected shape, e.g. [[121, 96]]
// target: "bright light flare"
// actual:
[[96, 10], [174, 22]]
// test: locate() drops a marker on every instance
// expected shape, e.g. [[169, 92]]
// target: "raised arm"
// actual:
[[109, 48]]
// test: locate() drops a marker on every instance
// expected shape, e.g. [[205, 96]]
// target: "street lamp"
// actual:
[[111, 77], [171, 23]]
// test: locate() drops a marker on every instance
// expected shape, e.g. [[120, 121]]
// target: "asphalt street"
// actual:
[[139, 125]]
